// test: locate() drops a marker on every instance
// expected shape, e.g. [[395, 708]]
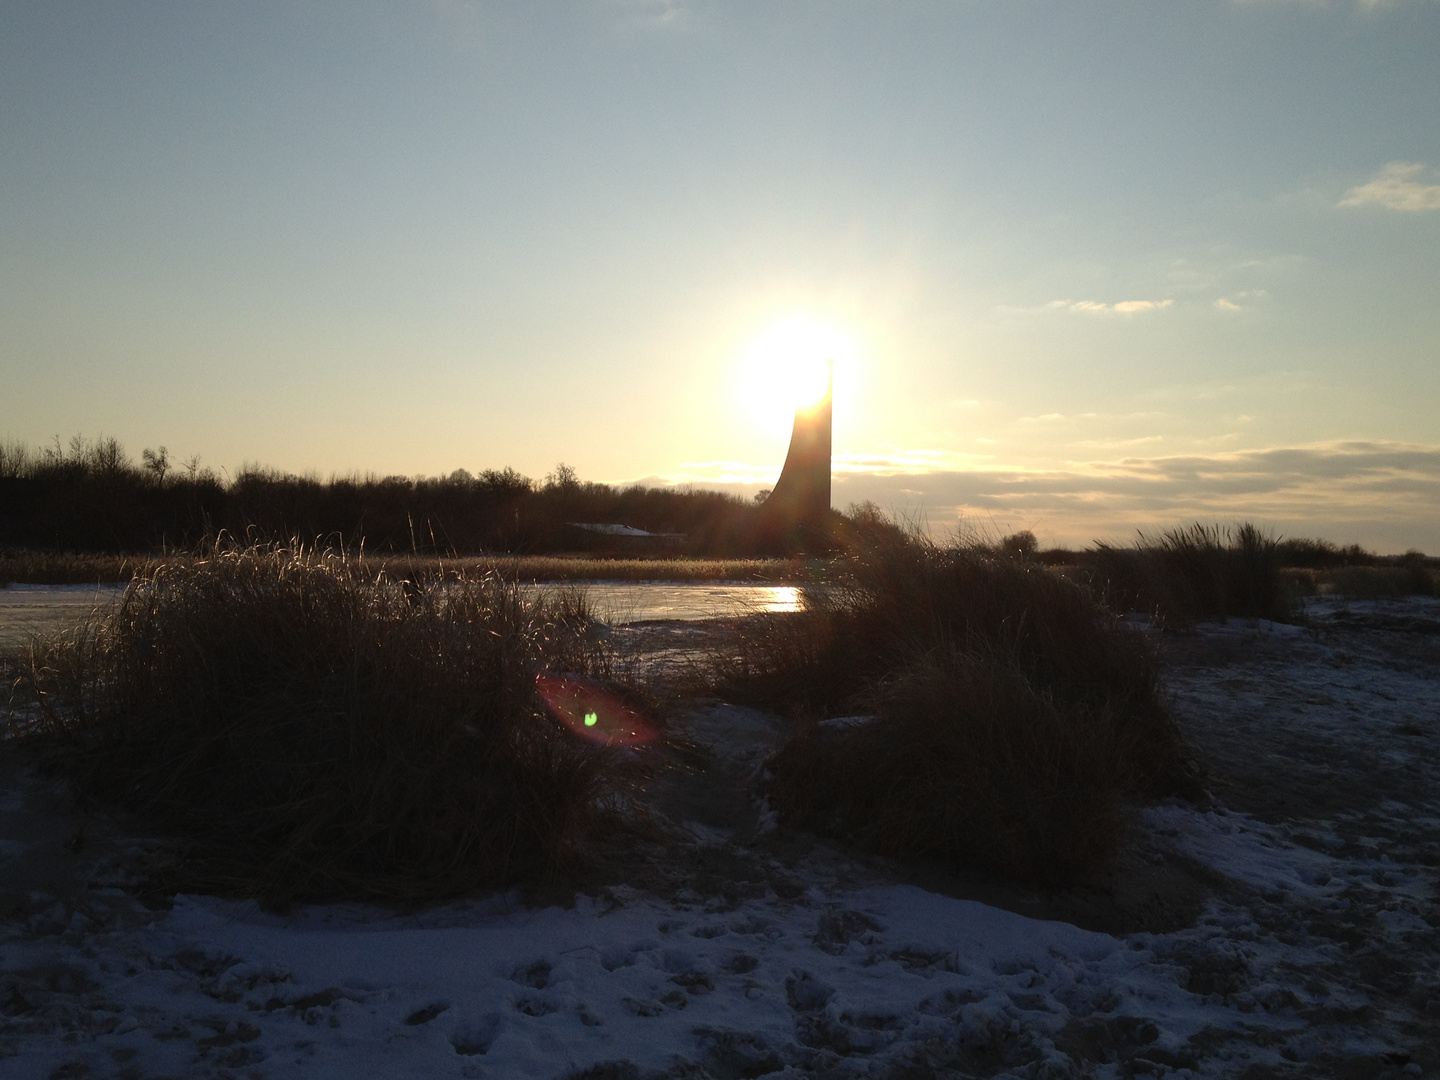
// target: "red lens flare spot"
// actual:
[[592, 711]]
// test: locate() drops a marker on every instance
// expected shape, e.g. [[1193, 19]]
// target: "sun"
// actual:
[[791, 364]]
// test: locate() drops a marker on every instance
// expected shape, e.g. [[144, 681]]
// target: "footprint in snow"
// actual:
[[477, 1036], [536, 975]]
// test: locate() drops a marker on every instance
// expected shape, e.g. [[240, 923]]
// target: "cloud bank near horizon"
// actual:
[[1381, 494]]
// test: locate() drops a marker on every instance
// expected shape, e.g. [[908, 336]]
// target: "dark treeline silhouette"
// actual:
[[93, 497]]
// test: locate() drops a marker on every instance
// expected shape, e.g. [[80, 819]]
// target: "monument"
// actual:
[[799, 505]]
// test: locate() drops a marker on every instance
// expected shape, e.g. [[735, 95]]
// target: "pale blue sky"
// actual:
[[1104, 265]]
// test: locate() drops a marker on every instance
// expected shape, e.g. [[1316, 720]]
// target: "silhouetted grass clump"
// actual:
[[1010, 712], [1196, 572], [316, 736]]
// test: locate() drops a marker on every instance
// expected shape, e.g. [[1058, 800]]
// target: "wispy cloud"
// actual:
[[1119, 444], [655, 13], [897, 461], [1044, 418], [1120, 307], [1239, 301], [1397, 186]]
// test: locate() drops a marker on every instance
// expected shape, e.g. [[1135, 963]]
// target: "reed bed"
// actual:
[[1010, 714], [56, 568], [50, 568], [315, 735]]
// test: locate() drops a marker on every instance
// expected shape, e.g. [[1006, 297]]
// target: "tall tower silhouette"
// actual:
[[802, 494]]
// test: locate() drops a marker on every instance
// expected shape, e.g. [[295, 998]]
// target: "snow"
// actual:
[[1313, 952], [495, 989]]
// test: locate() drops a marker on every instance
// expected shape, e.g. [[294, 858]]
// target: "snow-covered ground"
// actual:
[[1291, 930]]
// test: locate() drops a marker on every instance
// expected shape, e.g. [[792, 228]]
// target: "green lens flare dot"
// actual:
[[591, 719]]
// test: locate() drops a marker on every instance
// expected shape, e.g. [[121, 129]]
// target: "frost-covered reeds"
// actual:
[[1012, 713], [314, 734]]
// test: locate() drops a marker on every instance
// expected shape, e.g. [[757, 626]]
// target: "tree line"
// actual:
[[91, 496]]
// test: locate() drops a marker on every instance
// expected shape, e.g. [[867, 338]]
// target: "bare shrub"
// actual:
[[1012, 711], [319, 736], [967, 759]]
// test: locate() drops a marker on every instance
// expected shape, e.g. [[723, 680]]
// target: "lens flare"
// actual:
[[593, 711]]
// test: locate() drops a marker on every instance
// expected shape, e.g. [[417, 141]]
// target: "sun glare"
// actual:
[[791, 363]]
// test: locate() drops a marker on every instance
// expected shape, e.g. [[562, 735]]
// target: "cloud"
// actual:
[[1380, 493], [1121, 307], [653, 13], [1116, 444], [1233, 302], [1396, 187]]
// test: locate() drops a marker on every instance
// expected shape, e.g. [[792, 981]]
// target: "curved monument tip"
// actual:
[[803, 491]]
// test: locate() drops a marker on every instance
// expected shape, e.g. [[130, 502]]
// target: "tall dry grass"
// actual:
[[315, 735], [1196, 572], [53, 568], [1012, 712]]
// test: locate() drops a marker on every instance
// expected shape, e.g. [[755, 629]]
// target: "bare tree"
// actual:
[[564, 476], [157, 462], [108, 456], [15, 458]]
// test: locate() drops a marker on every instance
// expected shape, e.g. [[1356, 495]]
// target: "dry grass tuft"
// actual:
[[1196, 572], [966, 759], [1012, 712], [317, 736]]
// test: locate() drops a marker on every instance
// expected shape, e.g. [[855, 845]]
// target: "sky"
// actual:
[[1082, 268]]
